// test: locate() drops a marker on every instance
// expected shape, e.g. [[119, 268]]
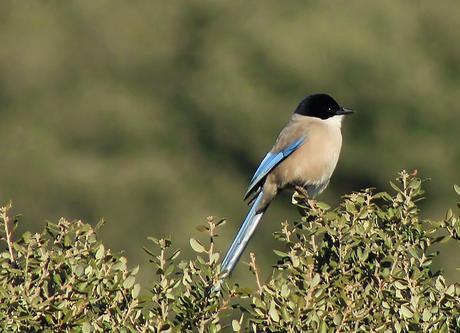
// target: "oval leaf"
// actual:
[[316, 279], [129, 282], [135, 291], [273, 312], [457, 189], [100, 252], [404, 311], [236, 325], [400, 285], [86, 327], [196, 245]]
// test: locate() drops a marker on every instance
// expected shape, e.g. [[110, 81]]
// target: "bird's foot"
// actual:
[[301, 190]]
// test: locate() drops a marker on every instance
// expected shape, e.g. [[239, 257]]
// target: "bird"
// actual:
[[305, 155]]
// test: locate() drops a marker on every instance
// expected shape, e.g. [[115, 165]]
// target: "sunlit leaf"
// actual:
[[457, 189], [236, 325], [129, 282], [196, 245]]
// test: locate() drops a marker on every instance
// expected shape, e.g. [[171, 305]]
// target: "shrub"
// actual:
[[363, 266], [64, 279]]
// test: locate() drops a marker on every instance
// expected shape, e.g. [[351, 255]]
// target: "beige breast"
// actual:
[[313, 163]]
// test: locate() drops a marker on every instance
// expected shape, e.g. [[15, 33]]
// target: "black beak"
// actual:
[[343, 111]]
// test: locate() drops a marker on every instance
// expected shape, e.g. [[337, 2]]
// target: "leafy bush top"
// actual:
[[64, 278], [363, 266]]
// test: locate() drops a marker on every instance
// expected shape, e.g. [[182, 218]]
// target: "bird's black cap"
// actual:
[[320, 106]]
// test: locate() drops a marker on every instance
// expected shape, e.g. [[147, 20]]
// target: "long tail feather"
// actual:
[[242, 238]]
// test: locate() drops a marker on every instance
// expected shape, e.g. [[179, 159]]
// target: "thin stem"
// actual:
[[6, 222], [212, 226], [256, 272]]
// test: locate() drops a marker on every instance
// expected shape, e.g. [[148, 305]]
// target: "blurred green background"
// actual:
[[154, 114]]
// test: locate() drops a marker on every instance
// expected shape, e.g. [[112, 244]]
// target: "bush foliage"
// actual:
[[64, 278], [363, 266]]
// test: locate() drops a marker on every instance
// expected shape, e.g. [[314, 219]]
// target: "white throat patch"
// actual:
[[335, 121]]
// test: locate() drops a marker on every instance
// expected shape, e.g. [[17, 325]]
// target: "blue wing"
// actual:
[[270, 161]]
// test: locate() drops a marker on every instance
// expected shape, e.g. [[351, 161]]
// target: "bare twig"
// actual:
[[8, 233], [212, 226], [252, 264]]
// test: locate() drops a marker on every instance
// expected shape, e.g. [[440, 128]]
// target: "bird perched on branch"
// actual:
[[305, 154]]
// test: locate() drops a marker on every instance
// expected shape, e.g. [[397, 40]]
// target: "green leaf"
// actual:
[[383, 195], [350, 207], [215, 257], [323, 328], [135, 270], [444, 328], [135, 291], [280, 253], [285, 290], [451, 290], [26, 236], [221, 222], [404, 311], [202, 228], [338, 319], [100, 252], [153, 239], [401, 285], [457, 189], [315, 281], [174, 255], [426, 315], [274, 315], [129, 282], [88, 270], [295, 260], [196, 245], [79, 270], [236, 325], [440, 283], [86, 327], [323, 205], [395, 187], [415, 183]]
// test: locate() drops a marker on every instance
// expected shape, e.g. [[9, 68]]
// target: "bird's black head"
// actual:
[[320, 106]]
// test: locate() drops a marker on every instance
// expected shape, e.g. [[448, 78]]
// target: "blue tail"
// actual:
[[242, 238]]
